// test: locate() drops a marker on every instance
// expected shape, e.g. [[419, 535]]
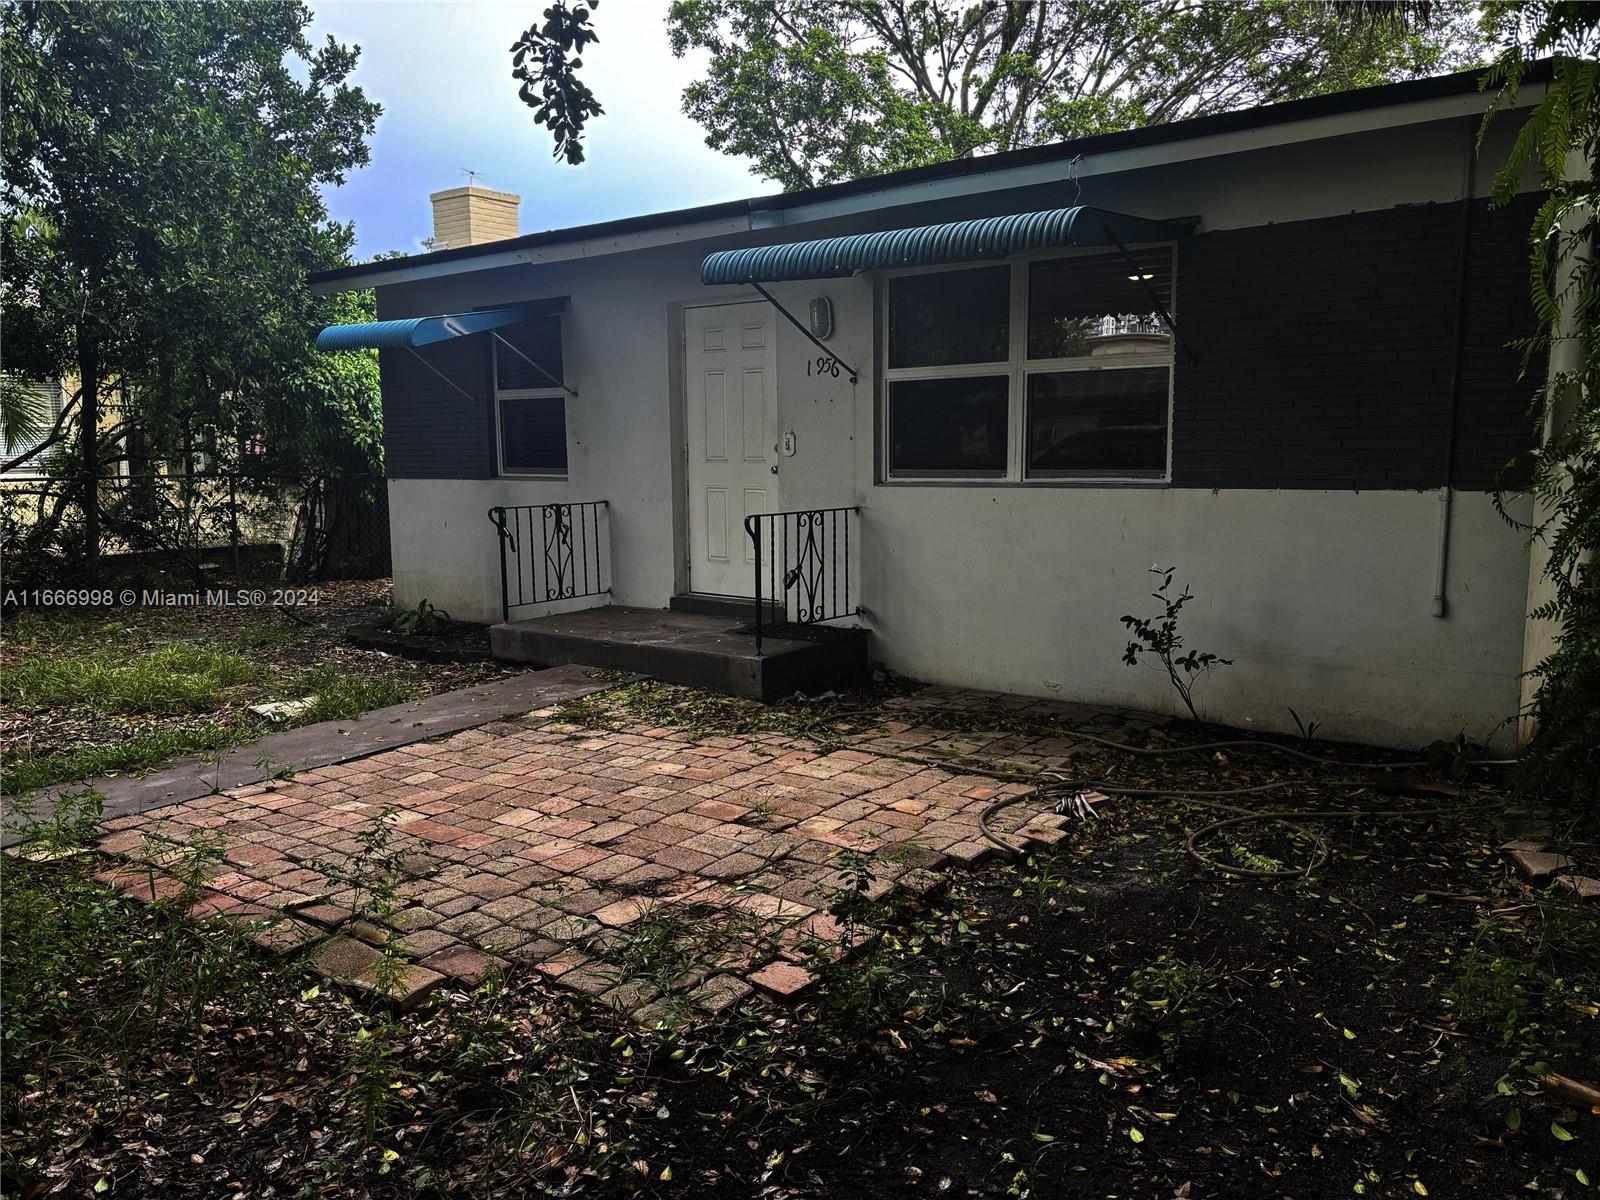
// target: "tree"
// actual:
[[820, 92], [1560, 145], [547, 59], [160, 212]]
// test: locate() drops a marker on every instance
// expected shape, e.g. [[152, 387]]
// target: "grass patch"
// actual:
[[171, 680], [341, 695], [24, 773]]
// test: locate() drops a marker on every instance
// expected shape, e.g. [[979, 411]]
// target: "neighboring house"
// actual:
[[51, 397], [1006, 406]]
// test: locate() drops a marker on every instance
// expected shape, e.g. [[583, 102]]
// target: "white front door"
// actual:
[[732, 397]]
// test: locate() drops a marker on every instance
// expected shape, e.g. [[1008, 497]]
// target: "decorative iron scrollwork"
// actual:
[[551, 552]]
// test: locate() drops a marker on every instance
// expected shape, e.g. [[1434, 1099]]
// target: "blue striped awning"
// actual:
[[928, 245], [422, 331]]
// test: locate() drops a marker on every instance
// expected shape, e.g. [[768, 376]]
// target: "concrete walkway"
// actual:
[[319, 745]]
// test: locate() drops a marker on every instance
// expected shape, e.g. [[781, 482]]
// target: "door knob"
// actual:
[[773, 468]]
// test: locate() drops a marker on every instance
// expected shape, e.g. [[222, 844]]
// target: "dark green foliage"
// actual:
[[1563, 130], [547, 58], [160, 212]]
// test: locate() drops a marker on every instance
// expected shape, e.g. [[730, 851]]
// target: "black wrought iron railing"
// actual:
[[552, 552], [802, 567]]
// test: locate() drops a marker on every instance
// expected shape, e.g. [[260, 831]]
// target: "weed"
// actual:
[[339, 695], [24, 773], [150, 969], [1308, 730], [422, 620], [859, 973], [1175, 999], [1244, 856], [1158, 637], [372, 879], [1044, 877]]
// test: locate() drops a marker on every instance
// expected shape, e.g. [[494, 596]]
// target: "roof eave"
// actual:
[[832, 199]]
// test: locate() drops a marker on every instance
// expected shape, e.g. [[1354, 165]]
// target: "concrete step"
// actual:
[[740, 608], [698, 649]]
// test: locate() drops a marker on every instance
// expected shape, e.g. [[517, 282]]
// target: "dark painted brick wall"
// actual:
[[431, 431], [1326, 351]]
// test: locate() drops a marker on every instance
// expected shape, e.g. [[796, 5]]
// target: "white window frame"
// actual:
[[544, 393], [1018, 368]]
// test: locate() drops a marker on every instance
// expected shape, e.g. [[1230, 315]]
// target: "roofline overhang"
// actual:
[[1362, 110]]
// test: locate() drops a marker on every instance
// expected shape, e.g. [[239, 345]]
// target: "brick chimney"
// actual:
[[465, 216]]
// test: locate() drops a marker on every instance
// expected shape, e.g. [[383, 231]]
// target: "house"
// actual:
[[1272, 349]]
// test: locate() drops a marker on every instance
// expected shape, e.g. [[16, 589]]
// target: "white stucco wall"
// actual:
[[1322, 598]]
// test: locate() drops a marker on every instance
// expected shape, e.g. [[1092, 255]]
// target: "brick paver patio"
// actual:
[[540, 843]]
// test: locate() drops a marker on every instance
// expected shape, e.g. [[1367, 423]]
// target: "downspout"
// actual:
[[1446, 492]]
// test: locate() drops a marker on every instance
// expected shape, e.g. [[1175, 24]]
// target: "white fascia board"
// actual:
[[670, 235], [1159, 154]]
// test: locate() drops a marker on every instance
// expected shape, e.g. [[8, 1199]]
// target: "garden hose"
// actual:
[[1247, 743], [1064, 790]]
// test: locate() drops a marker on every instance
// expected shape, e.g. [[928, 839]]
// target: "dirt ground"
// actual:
[[287, 656], [1109, 1017]]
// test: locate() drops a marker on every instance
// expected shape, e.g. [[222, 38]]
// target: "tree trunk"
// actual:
[[89, 368]]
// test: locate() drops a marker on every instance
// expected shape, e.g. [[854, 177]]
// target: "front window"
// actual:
[[949, 407], [530, 405], [1052, 369]]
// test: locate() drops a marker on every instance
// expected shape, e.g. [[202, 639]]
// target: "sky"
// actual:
[[442, 71]]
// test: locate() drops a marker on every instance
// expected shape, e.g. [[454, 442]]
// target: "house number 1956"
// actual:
[[823, 364]]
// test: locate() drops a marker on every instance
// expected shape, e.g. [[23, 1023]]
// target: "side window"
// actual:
[[1099, 369], [530, 405], [948, 379]]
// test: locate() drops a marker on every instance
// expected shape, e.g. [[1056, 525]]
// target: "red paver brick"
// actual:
[[285, 936], [470, 966], [578, 858], [329, 916], [623, 912], [782, 978], [719, 810], [409, 986]]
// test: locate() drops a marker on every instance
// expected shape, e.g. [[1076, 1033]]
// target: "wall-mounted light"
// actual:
[[822, 318], [1141, 278]]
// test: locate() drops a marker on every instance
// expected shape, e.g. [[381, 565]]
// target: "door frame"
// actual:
[[678, 322]]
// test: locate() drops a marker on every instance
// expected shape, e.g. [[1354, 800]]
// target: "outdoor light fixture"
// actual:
[[1141, 278], [821, 317]]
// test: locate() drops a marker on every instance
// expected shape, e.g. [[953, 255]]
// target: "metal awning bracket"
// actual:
[[1155, 299], [809, 336], [451, 382], [573, 392]]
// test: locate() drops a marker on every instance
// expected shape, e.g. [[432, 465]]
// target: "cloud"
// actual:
[[442, 72]]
